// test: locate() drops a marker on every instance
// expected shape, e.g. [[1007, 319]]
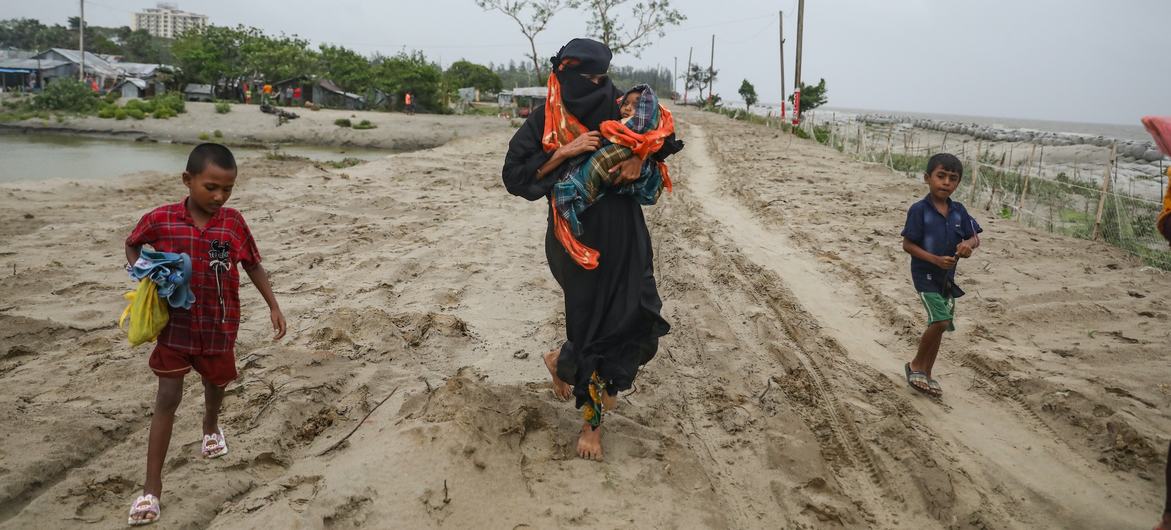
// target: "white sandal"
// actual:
[[218, 444], [151, 506]]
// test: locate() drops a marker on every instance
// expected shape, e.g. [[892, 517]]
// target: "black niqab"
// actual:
[[590, 103]]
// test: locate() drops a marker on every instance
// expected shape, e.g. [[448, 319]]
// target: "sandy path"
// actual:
[[418, 299], [1030, 455]]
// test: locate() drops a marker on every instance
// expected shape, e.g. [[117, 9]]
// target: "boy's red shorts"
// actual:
[[218, 370]]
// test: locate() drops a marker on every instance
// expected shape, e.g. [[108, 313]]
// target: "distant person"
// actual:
[[938, 232], [409, 103], [297, 96], [202, 338], [1160, 129]]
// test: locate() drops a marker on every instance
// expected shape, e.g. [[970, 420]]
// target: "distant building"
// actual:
[[197, 92], [167, 21], [58, 63], [327, 94], [132, 88]]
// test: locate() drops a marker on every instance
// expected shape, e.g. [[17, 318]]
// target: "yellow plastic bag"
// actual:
[[147, 313]]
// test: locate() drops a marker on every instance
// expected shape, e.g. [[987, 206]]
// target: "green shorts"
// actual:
[[939, 309]]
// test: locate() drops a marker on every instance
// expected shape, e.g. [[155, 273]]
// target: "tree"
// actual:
[[650, 17], [531, 15], [462, 74], [411, 73], [346, 67], [276, 59], [748, 92], [699, 77], [30, 34], [812, 96], [139, 46], [209, 54]]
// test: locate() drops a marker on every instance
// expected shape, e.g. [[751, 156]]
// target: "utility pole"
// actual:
[[686, 84], [675, 78], [781, 20], [797, 74], [711, 70], [81, 42]]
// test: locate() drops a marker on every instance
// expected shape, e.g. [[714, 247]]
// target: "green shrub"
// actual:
[[107, 112], [173, 101], [218, 133], [223, 107], [801, 133], [821, 134], [68, 95], [162, 107], [342, 122], [365, 124], [112, 96], [120, 114], [204, 136], [137, 114]]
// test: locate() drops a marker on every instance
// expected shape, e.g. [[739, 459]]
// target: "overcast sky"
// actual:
[[1065, 60]]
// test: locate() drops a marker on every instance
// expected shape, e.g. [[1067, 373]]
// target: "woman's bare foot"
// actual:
[[609, 403], [589, 444], [561, 389]]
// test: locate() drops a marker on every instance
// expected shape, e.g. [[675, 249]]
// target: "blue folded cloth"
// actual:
[[171, 272]]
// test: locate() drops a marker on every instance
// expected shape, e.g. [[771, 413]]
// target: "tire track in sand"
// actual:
[[844, 435], [987, 441]]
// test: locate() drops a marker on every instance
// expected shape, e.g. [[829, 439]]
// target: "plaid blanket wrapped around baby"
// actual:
[[588, 180]]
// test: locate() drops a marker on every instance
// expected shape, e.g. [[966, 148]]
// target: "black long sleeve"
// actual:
[[525, 156]]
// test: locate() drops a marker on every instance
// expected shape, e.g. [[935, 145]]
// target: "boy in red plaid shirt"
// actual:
[[202, 338]]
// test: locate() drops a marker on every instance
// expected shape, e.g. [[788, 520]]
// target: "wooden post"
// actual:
[[975, 161], [858, 146], [781, 20], [889, 161], [1102, 196], [81, 43], [797, 70], [711, 70], [1025, 186]]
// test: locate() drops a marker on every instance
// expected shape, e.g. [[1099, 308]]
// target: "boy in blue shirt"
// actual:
[[938, 232]]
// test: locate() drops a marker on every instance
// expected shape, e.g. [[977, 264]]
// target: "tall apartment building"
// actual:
[[167, 21]]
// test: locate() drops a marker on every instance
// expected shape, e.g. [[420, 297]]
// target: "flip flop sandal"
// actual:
[[914, 377], [215, 445], [936, 390], [144, 505]]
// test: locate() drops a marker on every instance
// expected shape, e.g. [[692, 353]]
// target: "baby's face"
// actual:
[[628, 104]]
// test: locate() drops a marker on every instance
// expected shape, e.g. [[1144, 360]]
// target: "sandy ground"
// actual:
[[419, 305], [246, 125]]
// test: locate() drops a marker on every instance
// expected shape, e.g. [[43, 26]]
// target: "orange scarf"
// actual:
[[643, 145], [561, 127]]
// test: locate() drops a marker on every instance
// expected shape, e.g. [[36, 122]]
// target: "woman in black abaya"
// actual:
[[612, 316]]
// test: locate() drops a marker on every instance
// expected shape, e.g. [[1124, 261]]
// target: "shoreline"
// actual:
[[246, 126]]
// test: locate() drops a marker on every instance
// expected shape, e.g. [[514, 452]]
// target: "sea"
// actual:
[[1134, 132]]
